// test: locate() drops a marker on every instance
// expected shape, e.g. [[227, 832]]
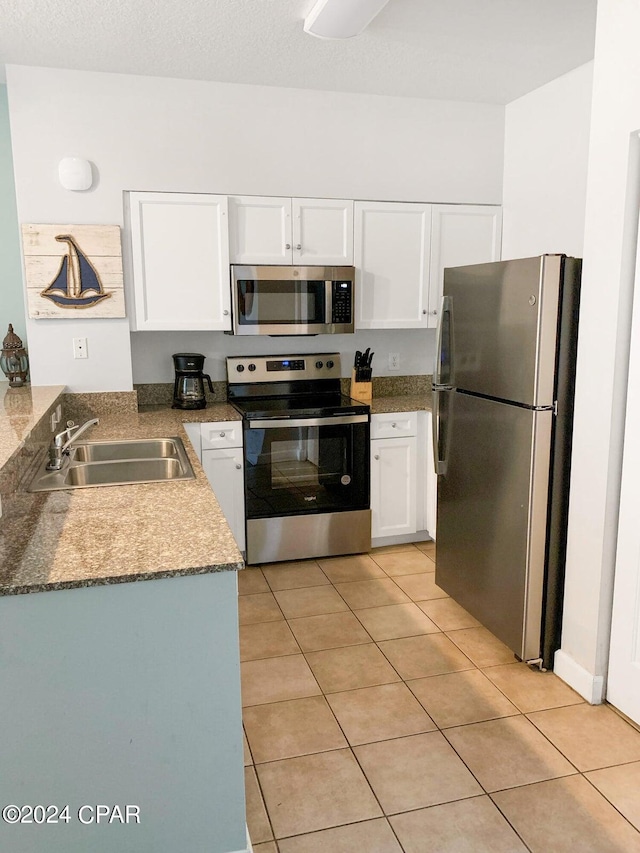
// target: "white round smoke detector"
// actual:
[[75, 173]]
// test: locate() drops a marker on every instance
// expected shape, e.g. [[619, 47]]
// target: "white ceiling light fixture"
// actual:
[[341, 19]]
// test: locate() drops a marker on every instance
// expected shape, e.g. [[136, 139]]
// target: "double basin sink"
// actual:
[[117, 463]]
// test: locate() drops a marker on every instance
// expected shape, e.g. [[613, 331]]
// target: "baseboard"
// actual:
[[590, 687], [403, 539], [248, 848]]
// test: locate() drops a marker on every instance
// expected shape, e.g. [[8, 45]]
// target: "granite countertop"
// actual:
[[20, 411], [401, 403], [118, 534]]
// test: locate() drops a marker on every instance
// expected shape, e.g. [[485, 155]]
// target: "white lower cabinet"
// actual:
[[224, 467], [403, 482], [393, 486]]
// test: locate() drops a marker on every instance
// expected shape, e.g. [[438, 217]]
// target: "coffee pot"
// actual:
[[188, 389]]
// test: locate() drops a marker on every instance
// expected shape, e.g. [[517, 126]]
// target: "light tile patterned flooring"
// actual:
[[381, 717]]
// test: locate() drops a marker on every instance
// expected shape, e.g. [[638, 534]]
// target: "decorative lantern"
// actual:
[[14, 360]]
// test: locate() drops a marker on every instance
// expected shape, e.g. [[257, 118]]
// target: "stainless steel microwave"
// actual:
[[270, 300]]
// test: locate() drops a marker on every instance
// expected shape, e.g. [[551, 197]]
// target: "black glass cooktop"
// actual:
[[299, 405]]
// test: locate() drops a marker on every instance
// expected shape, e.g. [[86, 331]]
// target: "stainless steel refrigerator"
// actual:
[[503, 417]]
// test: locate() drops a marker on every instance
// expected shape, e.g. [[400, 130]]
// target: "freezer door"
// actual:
[[505, 316], [443, 368], [492, 517]]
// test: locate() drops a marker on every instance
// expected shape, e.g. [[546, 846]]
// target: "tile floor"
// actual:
[[380, 717]]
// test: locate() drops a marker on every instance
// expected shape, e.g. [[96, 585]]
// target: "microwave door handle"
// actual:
[[328, 302]]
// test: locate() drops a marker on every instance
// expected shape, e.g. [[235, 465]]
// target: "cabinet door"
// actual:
[[391, 251], [260, 230], [460, 234], [180, 249], [393, 486], [322, 231], [225, 472]]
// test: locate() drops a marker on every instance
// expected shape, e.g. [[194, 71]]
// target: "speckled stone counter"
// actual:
[[116, 534], [401, 403], [398, 393], [20, 411]]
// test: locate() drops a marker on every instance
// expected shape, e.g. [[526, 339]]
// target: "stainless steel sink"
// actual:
[[115, 451], [117, 463]]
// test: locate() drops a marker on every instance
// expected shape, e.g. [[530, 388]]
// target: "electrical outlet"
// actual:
[[80, 348], [394, 361], [56, 417]]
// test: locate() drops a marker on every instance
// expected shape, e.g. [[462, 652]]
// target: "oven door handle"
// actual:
[[338, 420]]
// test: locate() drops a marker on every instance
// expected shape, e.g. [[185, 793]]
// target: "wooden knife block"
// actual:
[[360, 391]]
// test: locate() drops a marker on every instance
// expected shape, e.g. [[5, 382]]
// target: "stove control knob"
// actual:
[[319, 364], [240, 368], [252, 367], [329, 364]]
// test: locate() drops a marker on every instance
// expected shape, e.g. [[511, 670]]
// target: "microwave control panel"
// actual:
[[342, 310]]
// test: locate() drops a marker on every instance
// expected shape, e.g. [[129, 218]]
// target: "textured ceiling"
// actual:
[[469, 50]]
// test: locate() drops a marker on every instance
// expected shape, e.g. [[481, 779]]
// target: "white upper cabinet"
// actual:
[[285, 231], [322, 232], [391, 253], [180, 255], [460, 234], [260, 230]]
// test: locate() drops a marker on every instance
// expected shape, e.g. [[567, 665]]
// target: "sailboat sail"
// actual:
[[77, 283]]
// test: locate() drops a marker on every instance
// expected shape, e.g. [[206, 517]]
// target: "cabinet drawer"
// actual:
[[394, 425], [222, 434]]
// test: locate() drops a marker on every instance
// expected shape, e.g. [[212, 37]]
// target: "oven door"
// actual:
[[301, 466]]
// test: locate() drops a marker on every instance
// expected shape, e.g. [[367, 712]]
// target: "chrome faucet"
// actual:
[[63, 440]]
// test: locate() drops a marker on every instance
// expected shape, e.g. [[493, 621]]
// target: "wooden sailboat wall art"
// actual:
[[71, 269]]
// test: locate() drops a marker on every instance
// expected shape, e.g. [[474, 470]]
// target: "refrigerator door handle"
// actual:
[[438, 438], [443, 369]]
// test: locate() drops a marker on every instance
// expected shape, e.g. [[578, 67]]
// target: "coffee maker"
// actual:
[[188, 389]]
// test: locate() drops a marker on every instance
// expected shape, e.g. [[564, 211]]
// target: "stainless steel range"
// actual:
[[306, 457]]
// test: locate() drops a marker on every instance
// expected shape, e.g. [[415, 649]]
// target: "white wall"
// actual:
[[545, 167], [11, 299], [151, 351], [611, 217], [179, 135]]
